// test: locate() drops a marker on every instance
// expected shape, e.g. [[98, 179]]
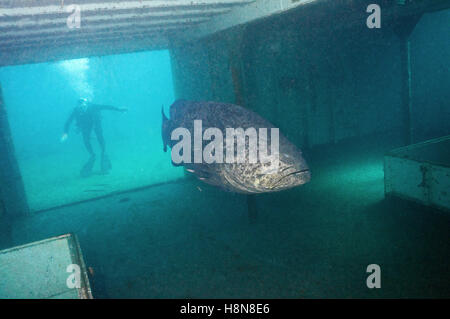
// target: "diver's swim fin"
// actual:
[[106, 165], [86, 171]]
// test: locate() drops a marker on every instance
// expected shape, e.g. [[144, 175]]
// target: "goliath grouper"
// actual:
[[242, 177]]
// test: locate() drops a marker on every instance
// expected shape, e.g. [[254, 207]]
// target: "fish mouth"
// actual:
[[302, 171]]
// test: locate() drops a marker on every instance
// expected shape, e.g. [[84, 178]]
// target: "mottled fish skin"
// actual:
[[246, 178]]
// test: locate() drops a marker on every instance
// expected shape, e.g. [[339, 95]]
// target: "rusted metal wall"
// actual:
[[318, 84], [321, 75]]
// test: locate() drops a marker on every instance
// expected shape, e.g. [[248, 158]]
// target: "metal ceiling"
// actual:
[[34, 31], [39, 30]]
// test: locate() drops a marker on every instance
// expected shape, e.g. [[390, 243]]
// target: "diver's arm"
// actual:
[[67, 125], [111, 108], [69, 121]]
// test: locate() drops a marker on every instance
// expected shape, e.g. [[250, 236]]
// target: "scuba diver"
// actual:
[[88, 118]]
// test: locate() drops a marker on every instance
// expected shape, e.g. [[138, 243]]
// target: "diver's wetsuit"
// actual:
[[88, 118]]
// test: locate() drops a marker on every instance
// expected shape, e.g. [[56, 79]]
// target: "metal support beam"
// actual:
[[16, 36], [251, 209], [235, 44], [81, 49], [237, 75], [12, 191], [48, 7], [61, 20], [403, 29]]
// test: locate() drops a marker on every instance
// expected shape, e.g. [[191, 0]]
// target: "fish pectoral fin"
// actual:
[[205, 174], [211, 180], [200, 173]]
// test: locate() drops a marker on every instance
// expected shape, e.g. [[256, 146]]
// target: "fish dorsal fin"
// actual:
[[165, 131]]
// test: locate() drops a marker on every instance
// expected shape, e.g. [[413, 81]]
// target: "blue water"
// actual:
[[40, 97]]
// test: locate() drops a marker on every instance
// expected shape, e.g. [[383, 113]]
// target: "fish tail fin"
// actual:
[[164, 129]]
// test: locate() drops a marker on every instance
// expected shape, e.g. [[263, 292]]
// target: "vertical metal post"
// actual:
[[403, 29], [235, 56], [251, 209], [406, 88], [12, 190]]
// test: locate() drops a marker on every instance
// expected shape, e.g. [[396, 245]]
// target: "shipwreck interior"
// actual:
[[369, 107]]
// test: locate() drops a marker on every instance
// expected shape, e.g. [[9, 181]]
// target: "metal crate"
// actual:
[[39, 270], [420, 172]]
